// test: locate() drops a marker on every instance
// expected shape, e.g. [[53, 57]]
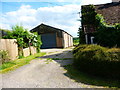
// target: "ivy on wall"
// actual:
[[88, 15], [87, 18], [81, 36], [105, 34]]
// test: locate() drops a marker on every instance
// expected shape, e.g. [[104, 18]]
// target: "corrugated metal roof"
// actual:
[[50, 29]]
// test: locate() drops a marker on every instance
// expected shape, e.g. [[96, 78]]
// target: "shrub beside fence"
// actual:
[[98, 61], [11, 46]]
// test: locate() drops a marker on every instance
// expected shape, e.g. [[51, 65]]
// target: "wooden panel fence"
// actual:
[[26, 51], [11, 46]]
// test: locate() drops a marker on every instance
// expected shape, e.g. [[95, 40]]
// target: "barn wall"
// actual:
[[71, 40], [59, 42], [65, 40], [68, 40]]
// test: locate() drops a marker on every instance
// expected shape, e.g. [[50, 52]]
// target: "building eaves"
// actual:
[[55, 29]]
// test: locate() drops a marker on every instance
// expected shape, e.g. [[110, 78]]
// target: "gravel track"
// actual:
[[43, 73]]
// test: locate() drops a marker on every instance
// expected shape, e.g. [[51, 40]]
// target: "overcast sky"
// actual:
[[61, 14]]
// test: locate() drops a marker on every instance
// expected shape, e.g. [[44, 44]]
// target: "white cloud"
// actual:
[[4, 26], [63, 17], [52, 0], [86, 2]]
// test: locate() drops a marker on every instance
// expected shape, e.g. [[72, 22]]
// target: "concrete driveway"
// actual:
[[43, 72]]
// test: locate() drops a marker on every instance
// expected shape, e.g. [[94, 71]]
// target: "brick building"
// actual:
[[111, 14], [110, 11]]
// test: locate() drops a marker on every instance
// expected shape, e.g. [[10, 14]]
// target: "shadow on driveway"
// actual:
[[66, 58], [63, 58]]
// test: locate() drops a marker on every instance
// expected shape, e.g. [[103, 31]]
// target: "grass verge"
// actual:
[[61, 58], [78, 76], [11, 65]]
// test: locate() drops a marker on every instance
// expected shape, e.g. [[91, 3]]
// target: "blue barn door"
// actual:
[[48, 40]]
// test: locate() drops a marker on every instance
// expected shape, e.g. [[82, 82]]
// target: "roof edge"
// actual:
[[51, 27]]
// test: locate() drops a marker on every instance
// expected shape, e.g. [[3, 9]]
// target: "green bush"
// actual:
[[4, 56], [24, 38], [79, 47], [97, 60]]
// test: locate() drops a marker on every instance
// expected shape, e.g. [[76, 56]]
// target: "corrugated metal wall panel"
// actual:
[[68, 40]]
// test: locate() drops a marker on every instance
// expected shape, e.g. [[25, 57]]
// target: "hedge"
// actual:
[[97, 60]]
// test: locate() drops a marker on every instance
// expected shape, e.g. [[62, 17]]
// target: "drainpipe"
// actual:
[[63, 42], [86, 38], [92, 40]]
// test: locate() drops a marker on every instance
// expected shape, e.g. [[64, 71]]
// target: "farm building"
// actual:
[[110, 11], [111, 14], [52, 37], [3, 32]]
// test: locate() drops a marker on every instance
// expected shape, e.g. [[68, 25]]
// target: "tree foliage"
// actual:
[[24, 37], [81, 36], [88, 15]]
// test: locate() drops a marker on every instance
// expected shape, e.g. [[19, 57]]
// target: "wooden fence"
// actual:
[[11, 46], [27, 51]]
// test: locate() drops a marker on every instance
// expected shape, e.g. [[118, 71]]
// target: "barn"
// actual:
[[52, 37]]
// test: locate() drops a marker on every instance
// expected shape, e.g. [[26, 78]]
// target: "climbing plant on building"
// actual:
[[95, 25], [107, 35]]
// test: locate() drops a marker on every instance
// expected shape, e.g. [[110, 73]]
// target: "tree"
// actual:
[[24, 38], [81, 36]]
